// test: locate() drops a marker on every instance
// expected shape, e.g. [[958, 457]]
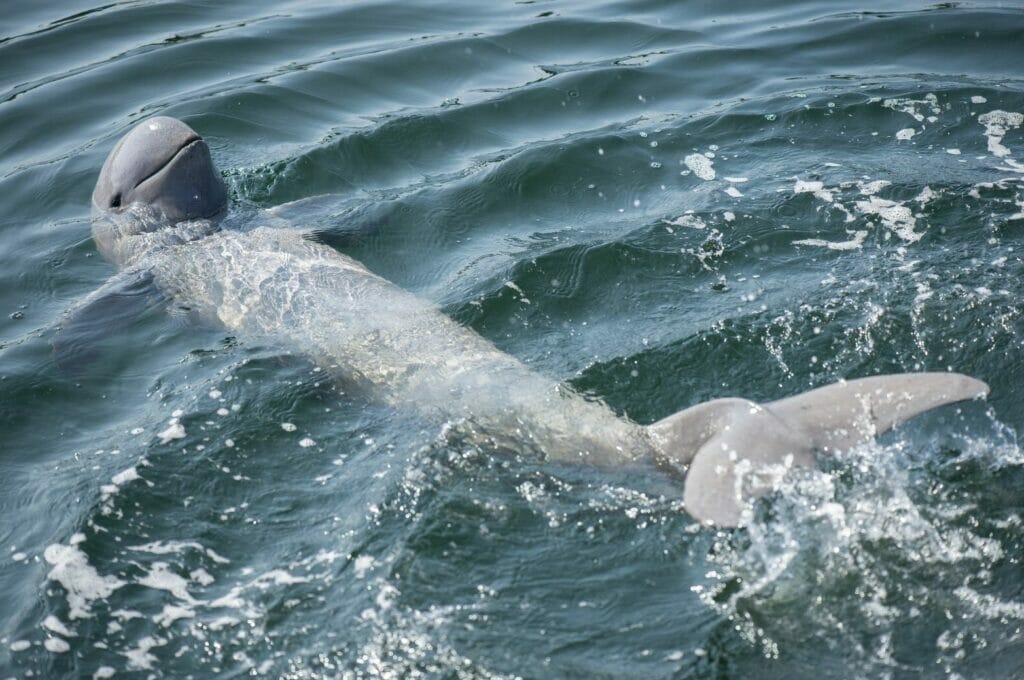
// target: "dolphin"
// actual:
[[156, 213]]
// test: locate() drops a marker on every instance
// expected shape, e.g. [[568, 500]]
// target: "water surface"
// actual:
[[659, 202]]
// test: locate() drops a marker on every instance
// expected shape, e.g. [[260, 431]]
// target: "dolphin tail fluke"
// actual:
[[844, 414], [734, 448]]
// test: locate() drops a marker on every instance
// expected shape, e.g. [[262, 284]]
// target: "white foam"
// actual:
[[125, 476], [306, 442], [82, 582], [872, 188], [905, 134], [201, 576], [20, 645], [178, 547], [56, 645], [168, 547], [895, 216], [913, 107], [1017, 215], [690, 221], [126, 614], [813, 187], [160, 577], [55, 625], [139, 657], [219, 559], [978, 99], [288, 427], [363, 564], [234, 600], [103, 672], [172, 613], [701, 166], [1011, 166], [990, 607], [997, 123], [853, 244], [175, 430], [734, 192], [926, 196], [277, 577]]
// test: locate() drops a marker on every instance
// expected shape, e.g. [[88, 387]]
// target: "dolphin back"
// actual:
[[736, 448]]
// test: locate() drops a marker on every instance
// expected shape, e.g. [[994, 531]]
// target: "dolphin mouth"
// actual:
[[185, 145]]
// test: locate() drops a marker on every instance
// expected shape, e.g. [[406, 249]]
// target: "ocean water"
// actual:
[[659, 202]]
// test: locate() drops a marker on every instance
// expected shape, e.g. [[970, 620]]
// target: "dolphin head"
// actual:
[[158, 175]]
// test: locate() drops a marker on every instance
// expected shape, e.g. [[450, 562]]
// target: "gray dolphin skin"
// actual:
[[156, 210]]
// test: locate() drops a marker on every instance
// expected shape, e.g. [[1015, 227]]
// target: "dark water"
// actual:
[[661, 202]]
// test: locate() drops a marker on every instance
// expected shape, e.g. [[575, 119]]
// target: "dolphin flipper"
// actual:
[[87, 327], [331, 219], [734, 447], [308, 211]]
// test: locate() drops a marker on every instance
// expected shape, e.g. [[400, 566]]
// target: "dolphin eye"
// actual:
[[115, 202]]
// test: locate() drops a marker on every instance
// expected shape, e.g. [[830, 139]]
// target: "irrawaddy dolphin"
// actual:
[[157, 208]]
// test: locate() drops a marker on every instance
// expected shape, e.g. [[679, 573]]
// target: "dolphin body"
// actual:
[[156, 210]]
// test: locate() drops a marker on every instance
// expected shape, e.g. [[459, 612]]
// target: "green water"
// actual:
[[660, 202]]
